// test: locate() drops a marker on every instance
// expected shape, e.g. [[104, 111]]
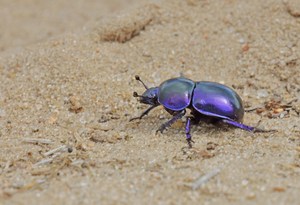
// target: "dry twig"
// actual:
[[205, 178], [37, 140]]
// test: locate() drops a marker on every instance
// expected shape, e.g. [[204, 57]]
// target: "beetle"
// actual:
[[208, 101]]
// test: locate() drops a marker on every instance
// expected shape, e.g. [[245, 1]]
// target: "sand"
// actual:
[[67, 77]]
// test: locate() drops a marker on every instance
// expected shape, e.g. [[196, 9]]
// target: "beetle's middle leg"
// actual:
[[187, 132], [176, 116], [245, 127]]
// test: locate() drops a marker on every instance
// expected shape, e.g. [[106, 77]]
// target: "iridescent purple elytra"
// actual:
[[206, 100]]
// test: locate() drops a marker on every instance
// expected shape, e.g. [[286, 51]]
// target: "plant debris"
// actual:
[[275, 108], [205, 178]]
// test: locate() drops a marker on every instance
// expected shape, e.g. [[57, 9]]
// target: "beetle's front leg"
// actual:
[[176, 116], [144, 113]]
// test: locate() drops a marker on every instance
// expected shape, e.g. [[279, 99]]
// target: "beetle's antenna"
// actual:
[[138, 79], [136, 95]]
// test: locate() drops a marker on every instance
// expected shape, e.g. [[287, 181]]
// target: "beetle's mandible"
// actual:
[[206, 100]]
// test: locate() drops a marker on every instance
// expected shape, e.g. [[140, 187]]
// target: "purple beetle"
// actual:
[[207, 101]]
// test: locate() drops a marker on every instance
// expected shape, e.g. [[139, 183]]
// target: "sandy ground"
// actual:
[[67, 76]]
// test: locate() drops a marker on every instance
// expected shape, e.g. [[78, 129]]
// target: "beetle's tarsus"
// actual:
[[134, 118], [163, 127], [256, 129], [190, 141], [160, 129]]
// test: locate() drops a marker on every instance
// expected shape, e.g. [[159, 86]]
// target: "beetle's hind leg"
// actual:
[[245, 127], [176, 116], [144, 113]]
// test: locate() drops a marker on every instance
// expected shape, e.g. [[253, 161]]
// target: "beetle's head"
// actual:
[[149, 96]]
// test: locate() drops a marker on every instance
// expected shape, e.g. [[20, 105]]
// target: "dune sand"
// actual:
[[67, 76]]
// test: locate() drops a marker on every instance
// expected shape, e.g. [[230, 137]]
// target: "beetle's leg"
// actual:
[[177, 116], [187, 132], [144, 113], [245, 127]]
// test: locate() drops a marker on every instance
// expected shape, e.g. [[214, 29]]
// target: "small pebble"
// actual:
[[245, 182], [293, 7], [241, 40], [262, 93], [2, 113]]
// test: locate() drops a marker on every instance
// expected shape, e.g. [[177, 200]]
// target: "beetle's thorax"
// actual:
[[176, 93]]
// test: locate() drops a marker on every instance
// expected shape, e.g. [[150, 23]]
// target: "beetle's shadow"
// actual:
[[211, 125]]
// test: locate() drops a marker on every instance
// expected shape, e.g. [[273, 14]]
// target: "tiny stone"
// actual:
[[242, 41], [2, 113], [70, 149], [262, 93], [293, 7], [282, 114], [278, 189], [251, 196], [263, 188], [245, 182]]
